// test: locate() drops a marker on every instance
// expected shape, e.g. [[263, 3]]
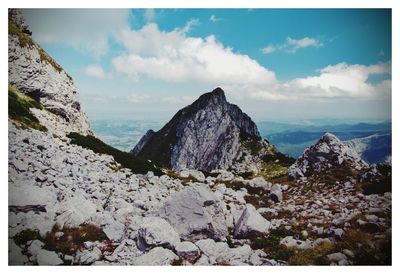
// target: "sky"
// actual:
[[276, 64]]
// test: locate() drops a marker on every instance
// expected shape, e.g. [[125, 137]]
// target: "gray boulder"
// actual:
[[155, 231], [196, 213], [157, 256], [251, 223]]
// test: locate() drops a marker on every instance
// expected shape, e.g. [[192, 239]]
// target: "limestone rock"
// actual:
[[32, 71], [187, 251], [195, 213], [157, 256], [327, 153], [251, 224], [155, 231], [208, 134]]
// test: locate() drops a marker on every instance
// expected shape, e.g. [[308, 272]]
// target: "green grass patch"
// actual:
[[127, 160], [19, 110]]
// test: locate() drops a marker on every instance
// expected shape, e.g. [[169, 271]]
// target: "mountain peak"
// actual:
[[327, 154], [208, 134]]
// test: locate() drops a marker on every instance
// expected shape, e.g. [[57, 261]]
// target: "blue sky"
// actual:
[[276, 64]]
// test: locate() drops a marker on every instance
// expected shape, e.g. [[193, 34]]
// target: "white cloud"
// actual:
[[292, 45], [190, 24], [175, 57], [214, 18], [345, 81], [268, 49], [96, 71], [86, 30]]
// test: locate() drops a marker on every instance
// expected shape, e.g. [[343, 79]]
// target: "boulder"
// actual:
[[88, 257], [336, 257], [196, 213], [198, 175], [187, 251], [251, 224], [45, 257], [155, 231], [276, 193], [157, 256], [289, 241]]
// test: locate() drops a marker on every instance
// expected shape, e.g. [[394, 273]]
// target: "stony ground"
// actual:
[[69, 205]]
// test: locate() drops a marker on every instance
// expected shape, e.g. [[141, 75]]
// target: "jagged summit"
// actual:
[[209, 134], [326, 154]]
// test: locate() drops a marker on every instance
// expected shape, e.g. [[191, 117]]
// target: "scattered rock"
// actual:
[[155, 231], [187, 251], [157, 256], [251, 224], [196, 213]]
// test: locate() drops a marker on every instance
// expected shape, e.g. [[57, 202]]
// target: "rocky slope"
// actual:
[[32, 71], [209, 134], [329, 154]]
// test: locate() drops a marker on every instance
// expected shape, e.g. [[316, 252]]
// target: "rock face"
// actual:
[[32, 71], [196, 213], [329, 152], [208, 134]]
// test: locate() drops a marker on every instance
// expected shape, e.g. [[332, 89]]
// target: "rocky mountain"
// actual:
[[73, 200], [206, 135], [35, 73], [375, 148], [329, 154]]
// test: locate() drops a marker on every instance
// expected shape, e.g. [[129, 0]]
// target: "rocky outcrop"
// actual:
[[196, 213], [208, 134], [35, 73], [324, 156]]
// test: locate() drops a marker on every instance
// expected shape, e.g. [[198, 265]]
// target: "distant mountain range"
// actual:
[[371, 140]]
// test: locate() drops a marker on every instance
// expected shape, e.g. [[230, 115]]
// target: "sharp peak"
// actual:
[[217, 95], [329, 137]]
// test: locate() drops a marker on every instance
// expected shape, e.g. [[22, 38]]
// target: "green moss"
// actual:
[[127, 160], [19, 110], [271, 170]]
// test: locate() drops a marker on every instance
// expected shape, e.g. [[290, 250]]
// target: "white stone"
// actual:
[[336, 257], [88, 257], [187, 251], [198, 175], [155, 231], [157, 256], [251, 223], [45, 257], [195, 213]]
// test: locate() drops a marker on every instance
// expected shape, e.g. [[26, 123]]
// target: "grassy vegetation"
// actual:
[[127, 160], [23, 38], [19, 110], [69, 242], [73, 238]]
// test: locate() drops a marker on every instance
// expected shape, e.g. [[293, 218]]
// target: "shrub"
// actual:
[[127, 160]]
